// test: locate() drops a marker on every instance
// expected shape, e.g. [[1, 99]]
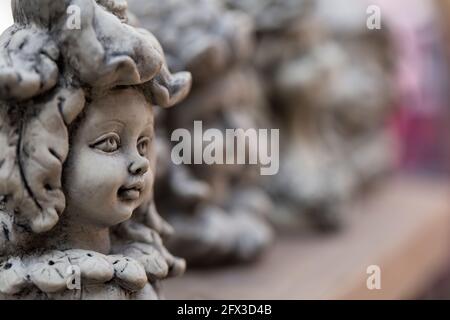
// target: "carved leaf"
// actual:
[[27, 63], [34, 148]]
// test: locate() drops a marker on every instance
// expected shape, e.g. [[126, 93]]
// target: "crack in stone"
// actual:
[[22, 172], [5, 231]]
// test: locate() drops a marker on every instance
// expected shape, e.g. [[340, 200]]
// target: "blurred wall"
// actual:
[[5, 14]]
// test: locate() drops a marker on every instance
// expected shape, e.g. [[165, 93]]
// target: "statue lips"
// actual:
[[131, 191]]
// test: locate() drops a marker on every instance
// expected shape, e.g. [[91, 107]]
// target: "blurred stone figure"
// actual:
[[218, 210], [328, 78]]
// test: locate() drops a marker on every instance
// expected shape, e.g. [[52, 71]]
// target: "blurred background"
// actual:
[[5, 15], [364, 117]]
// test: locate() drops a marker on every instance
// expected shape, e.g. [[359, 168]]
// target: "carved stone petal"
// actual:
[[12, 276], [49, 272], [129, 273], [93, 266], [156, 266]]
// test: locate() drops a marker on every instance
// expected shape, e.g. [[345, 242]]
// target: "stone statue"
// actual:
[[329, 79], [77, 154], [218, 211]]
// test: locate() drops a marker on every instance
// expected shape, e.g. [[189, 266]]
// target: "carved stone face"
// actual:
[[110, 172]]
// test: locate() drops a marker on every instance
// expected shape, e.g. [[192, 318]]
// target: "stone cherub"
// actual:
[[77, 157], [329, 80], [219, 213]]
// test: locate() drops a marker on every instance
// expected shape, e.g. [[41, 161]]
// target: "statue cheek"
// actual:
[[96, 177]]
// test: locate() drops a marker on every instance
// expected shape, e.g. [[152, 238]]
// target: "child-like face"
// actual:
[[110, 168]]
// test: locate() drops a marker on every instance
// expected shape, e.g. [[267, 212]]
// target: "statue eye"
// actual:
[[108, 143], [142, 146]]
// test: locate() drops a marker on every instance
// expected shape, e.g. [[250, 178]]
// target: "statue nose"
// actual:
[[139, 166]]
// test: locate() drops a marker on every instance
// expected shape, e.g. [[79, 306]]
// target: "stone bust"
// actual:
[[77, 159]]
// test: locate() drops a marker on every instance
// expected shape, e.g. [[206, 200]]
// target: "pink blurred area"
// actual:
[[422, 120]]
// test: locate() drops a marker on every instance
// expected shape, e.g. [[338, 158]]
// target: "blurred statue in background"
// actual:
[[77, 159], [218, 211], [328, 78]]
